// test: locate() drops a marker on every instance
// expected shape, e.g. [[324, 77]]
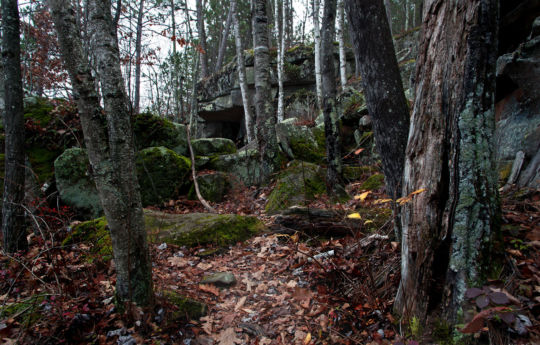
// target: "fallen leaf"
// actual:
[[307, 340], [209, 288], [177, 261], [240, 303], [362, 196], [228, 337], [355, 215]]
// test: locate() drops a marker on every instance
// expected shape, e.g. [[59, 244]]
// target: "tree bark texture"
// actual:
[[341, 41], [202, 39], [224, 39], [264, 107], [317, 39], [331, 116], [108, 138], [383, 89], [13, 225], [138, 51], [241, 67], [447, 230]]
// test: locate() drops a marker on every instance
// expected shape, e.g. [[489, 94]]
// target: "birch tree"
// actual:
[[13, 227], [224, 39], [138, 49], [202, 39], [264, 107], [279, 6], [448, 229], [331, 118], [341, 40], [241, 67], [109, 142], [317, 39]]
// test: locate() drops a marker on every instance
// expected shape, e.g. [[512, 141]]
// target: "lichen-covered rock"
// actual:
[[243, 166], [299, 142], [213, 187], [162, 173], [220, 279], [75, 184], [201, 228], [152, 131], [300, 182], [96, 233], [213, 146]]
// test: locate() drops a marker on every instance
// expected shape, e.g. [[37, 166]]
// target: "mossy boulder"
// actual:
[[373, 182], [162, 173], [201, 228], [152, 131], [190, 229], [75, 184], [299, 142], [185, 308], [243, 166], [96, 233], [301, 182], [213, 146], [213, 187]]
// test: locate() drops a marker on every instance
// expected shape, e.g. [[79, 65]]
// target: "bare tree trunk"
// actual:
[[138, 48], [287, 23], [266, 117], [176, 87], [388, 13], [383, 89], [117, 14], [202, 39], [223, 44], [341, 41], [13, 227], [241, 67], [448, 229], [331, 116], [317, 39], [108, 138], [280, 38]]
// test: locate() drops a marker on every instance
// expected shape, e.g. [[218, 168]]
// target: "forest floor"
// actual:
[[290, 288]]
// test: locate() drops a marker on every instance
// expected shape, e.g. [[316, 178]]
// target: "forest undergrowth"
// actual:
[[292, 287]]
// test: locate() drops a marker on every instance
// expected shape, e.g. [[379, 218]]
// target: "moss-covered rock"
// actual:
[[212, 187], [373, 182], [151, 131], [353, 173], [201, 228], [299, 142], [300, 182], [213, 146], [243, 166], [95, 233], [162, 173], [185, 308], [75, 184], [38, 109], [180, 229]]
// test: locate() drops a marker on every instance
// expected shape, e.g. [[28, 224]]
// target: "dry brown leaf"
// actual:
[[240, 303], [209, 288], [228, 337], [204, 266], [177, 261]]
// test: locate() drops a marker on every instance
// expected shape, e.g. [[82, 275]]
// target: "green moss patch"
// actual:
[[301, 182], [94, 233], [373, 182], [353, 173], [185, 308], [213, 146], [161, 173], [38, 110], [151, 131], [212, 187], [27, 312], [375, 217]]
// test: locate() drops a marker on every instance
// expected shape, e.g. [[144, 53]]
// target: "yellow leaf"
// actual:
[[368, 222], [362, 196], [418, 191], [355, 215], [381, 201], [308, 339]]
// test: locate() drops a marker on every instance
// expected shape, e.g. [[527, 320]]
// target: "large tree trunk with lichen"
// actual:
[[331, 118], [447, 229], [264, 107], [13, 229], [241, 67], [109, 141], [383, 89]]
